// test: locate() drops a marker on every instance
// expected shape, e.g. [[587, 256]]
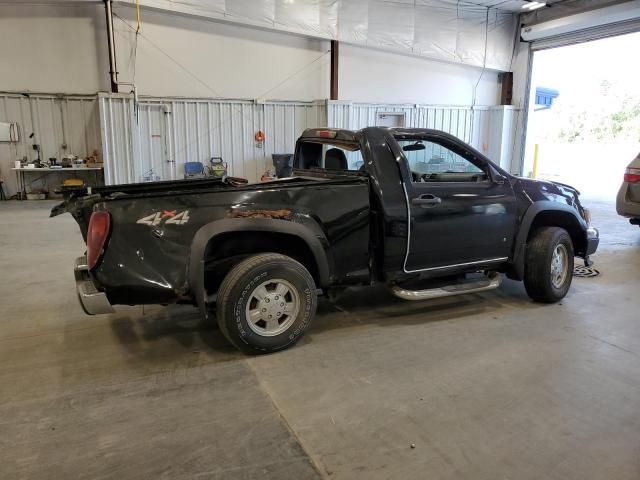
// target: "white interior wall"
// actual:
[[63, 49], [193, 57], [54, 49], [470, 33], [368, 75]]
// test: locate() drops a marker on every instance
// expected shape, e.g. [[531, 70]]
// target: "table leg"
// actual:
[[20, 179]]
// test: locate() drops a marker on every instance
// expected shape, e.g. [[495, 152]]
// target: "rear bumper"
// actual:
[[626, 202], [92, 301], [593, 239]]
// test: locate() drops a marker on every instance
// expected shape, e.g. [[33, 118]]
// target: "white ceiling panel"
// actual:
[[471, 32]]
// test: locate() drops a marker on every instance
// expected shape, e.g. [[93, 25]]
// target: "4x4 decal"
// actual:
[[167, 217]]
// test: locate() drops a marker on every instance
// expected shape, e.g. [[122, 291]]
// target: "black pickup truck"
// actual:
[[415, 209]]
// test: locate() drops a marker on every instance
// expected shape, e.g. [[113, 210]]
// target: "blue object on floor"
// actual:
[[193, 169]]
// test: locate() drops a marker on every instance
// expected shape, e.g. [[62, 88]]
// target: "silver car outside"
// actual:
[[628, 201]]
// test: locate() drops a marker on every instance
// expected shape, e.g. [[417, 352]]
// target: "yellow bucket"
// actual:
[[73, 182]]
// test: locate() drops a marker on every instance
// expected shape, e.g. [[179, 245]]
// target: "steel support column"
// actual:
[[335, 53]]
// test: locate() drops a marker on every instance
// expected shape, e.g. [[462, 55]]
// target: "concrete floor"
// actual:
[[486, 386]]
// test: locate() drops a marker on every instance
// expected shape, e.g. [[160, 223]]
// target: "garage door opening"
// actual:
[[584, 115]]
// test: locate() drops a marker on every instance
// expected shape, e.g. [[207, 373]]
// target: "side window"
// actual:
[[354, 160], [430, 161], [329, 156]]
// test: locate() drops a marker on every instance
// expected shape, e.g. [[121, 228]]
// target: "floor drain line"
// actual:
[[585, 272]]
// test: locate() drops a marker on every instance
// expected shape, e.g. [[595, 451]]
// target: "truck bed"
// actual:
[[153, 226]]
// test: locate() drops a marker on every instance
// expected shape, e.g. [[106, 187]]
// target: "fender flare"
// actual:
[[525, 226], [209, 231]]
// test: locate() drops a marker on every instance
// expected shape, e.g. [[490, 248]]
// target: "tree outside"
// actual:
[[592, 130]]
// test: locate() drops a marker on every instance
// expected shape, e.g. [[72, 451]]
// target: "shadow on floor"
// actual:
[[171, 332], [377, 306], [176, 331]]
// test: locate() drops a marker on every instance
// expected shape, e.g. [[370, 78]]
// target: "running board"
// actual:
[[490, 282]]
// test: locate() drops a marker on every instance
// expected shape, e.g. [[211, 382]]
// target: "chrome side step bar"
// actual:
[[490, 282]]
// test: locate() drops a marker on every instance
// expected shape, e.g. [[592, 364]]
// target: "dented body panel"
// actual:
[[147, 257]]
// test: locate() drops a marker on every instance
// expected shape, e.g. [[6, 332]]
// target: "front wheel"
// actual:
[[266, 302], [548, 270]]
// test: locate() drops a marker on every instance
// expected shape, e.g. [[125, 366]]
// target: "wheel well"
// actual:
[[554, 218], [224, 251]]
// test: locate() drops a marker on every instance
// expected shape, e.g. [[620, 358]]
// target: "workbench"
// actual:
[[46, 171]]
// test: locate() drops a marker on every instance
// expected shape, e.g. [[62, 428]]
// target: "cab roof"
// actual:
[[342, 135]]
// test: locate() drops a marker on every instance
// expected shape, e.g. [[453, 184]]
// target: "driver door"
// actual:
[[460, 215]]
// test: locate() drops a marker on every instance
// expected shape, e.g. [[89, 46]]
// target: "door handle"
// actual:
[[426, 200]]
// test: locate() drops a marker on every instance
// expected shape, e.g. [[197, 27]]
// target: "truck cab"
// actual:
[[441, 206]]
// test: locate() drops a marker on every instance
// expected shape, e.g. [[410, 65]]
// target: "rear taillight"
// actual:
[[632, 175], [97, 235]]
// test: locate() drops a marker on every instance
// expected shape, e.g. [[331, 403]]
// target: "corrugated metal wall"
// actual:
[[451, 119], [171, 131], [485, 128], [56, 121]]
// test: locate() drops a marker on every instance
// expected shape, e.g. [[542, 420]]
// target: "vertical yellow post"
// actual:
[[536, 148]]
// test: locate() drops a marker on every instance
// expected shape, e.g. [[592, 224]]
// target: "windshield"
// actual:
[[431, 161], [425, 156]]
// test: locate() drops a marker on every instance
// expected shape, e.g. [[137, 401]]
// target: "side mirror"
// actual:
[[499, 178]]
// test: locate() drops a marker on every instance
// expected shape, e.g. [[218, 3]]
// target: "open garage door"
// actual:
[[587, 35], [583, 120], [584, 115], [584, 26]]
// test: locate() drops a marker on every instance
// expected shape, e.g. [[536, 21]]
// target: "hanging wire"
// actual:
[[474, 96], [186, 70], [138, 15], [484, 60], [135, 45], [244, 116]]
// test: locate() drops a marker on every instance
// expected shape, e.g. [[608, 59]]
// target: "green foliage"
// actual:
[[609, 116]]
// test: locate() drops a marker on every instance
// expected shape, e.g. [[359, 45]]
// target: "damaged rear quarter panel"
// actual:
[[147, 257]]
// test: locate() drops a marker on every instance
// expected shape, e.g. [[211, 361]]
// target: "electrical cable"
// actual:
[[244, 116], [211, 89], [176, 62], [205, 84], [484, 60], [138, 15], [484, 67], [135, 46], [294, 74]]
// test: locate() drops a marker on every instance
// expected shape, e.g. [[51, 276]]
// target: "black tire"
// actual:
[[238, 295], [538, 264]]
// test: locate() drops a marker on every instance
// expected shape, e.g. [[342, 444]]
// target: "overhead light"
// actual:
[[533, 5]]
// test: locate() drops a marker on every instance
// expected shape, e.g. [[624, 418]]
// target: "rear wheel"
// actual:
[[549, 264], [266, 303]]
